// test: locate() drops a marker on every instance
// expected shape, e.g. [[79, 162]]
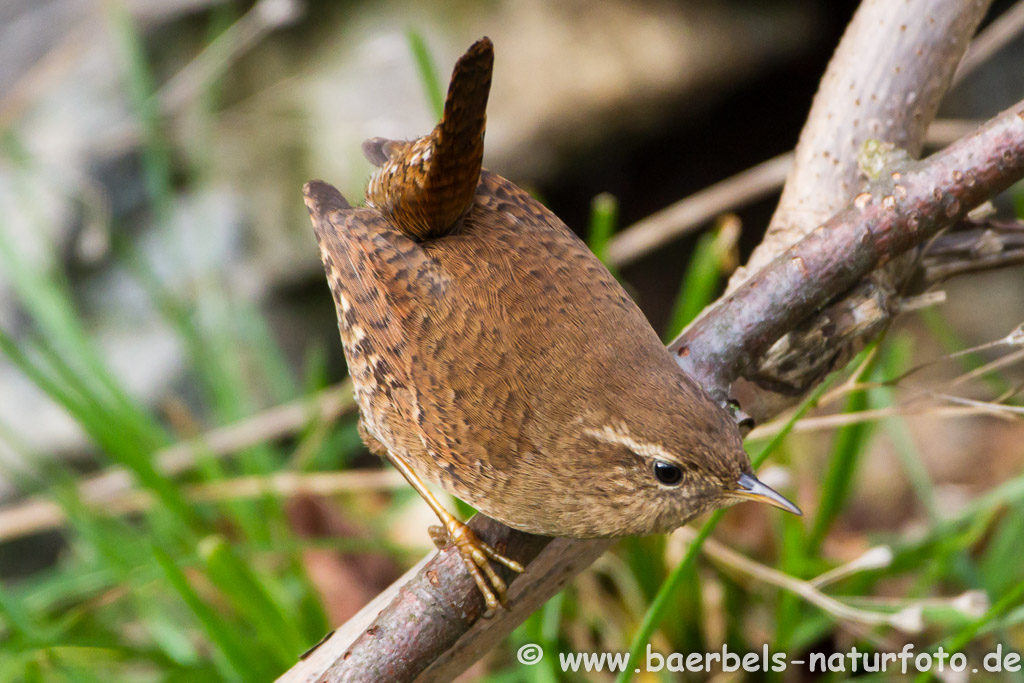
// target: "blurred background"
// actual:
[[183, 495]]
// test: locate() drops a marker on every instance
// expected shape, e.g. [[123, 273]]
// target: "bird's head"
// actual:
[[663, 462]]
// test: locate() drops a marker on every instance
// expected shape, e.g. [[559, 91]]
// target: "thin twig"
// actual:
[[984, 245], [40, 516], [993, 38], [943, 132], [997, 364], [878, 557], [263, 18], [827, 422], [1014, 338], [996, 409], [907, 620], [747, 186], [685, 215], [972, 603]]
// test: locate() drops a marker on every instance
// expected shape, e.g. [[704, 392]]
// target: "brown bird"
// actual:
[[493, 354]]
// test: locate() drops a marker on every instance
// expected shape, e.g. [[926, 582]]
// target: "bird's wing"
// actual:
[[388, 292]]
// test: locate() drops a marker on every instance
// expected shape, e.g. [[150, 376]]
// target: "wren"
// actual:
[[493, 354]]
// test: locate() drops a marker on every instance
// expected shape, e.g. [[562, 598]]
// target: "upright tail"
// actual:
[[426, 186]]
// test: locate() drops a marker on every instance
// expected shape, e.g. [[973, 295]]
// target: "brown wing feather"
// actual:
[[386, 290]]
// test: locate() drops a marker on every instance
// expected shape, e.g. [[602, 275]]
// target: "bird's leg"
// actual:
[[474, 552]]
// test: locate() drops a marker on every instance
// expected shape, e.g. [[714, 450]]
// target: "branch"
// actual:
[[892, 97], [993, 39], [911, 202], [427, 624], [749, 185]]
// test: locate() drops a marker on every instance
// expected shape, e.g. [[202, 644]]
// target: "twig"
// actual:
[[907, 620], [262, 19], [747, 186], [878, 557], [995, 409], [34, 518], [39, 78], [982, 370], [971, 603], [1014, 339], [984, 245], [680, 218], [825, 422], [995, 37], [945, 131]]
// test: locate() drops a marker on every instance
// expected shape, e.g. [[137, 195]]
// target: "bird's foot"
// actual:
[[476, 555]]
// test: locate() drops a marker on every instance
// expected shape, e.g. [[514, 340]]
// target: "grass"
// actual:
[[222, 589]]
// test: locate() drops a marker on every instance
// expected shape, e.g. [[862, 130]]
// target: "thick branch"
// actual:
[[893, 96], [907, 205], [429, 626]]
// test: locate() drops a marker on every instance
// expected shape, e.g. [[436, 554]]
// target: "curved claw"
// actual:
[[498, 557], [476, 556]]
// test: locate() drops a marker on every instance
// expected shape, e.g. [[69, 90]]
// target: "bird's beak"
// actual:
[[749, 488]]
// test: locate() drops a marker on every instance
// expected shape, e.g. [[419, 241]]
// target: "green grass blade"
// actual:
[[427, 70], [234, 657], [249, 595], [604, 220], [896, 360], [839, 479], [49, 303], [958, 642], [156, 162], [850, 442], [19, 620], [701, 281], [104, 431]]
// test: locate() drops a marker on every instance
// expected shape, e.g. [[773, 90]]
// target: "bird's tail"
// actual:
[[426, 186]]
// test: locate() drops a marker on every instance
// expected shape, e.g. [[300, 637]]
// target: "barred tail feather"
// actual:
[[426, 186]]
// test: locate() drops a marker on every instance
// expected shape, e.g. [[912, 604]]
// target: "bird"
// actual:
[[494, 355]]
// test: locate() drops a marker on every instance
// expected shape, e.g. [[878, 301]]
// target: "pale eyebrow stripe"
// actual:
[[610, 435]]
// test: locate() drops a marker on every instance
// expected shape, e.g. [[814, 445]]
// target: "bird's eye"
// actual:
[[667, 473]]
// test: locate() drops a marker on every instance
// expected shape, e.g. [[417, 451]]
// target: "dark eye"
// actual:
[[667, 473]]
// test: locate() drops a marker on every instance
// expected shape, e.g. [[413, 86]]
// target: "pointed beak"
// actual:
[[749, 488]]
